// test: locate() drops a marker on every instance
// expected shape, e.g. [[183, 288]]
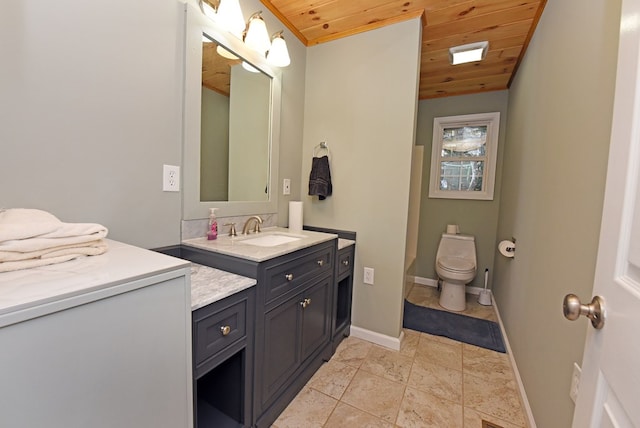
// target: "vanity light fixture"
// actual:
[[257, 37], [230, 16], [471, 52], [278, 55], [254, 34], [207, 9]]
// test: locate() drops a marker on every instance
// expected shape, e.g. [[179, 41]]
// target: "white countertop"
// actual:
[[234, 246], [24, 289], [344, 243], [209, 285]]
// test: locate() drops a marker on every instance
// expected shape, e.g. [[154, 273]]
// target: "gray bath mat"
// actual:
[[474, 331]]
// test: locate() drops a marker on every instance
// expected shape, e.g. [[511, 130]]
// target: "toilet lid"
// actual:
[[455, 264]]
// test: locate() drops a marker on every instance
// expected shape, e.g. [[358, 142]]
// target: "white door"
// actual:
[[610, 383]]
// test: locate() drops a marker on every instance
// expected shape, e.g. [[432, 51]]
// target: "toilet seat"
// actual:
[[455, 265]]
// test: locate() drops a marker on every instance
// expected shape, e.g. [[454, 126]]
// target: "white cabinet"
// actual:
[[114, 352]]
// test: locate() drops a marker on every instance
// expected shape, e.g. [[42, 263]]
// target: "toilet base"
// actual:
[[453, 297]]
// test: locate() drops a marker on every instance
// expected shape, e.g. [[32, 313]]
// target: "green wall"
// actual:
[[478, 218], [214, 147], [369, 125], [554, 167]]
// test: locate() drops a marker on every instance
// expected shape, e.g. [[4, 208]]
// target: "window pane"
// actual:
[[461, 175], [464, 141]]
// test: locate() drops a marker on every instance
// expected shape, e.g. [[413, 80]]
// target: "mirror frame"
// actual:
[[196, 23]]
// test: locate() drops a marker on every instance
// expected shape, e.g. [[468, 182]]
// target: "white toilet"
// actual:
[[456, 265]]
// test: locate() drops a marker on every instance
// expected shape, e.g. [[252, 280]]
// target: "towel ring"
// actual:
[[320, 147]]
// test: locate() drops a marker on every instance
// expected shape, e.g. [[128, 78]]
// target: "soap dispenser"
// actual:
[[212, 233]]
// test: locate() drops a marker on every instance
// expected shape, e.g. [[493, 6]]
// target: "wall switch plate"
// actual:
[[286, 186], [170, 178], [368, 275], [575, 382]]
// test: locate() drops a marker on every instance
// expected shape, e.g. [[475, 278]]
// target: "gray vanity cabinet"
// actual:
[[341, 320], [293, 319], [223, 361], [293, 329]]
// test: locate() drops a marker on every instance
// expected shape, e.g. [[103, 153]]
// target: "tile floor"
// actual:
[[431, 382]]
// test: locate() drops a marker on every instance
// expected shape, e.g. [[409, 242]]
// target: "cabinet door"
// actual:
[[281, 346], [316, 316]]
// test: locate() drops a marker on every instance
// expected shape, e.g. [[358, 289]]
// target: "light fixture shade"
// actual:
[[278, 55], [471, 52], [249, 67], [230, 17], [208, 10], [257, 37], [223, 52]]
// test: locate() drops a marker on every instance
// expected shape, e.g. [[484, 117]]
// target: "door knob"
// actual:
[[572, 309]]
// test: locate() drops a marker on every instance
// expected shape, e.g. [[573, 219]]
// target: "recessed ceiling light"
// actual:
[[468, 53]]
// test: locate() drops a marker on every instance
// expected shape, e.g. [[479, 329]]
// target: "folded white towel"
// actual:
[[30, 238], [92, 246], [54, 257]]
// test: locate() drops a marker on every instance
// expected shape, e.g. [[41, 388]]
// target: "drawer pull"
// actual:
[[345, 262], [321, 263], [289, 276], [225, 330], [306, 302]]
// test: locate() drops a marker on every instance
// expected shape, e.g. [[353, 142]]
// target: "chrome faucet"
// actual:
[[247, 225]]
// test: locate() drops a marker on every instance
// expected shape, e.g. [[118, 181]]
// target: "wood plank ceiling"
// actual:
[[508, 25]]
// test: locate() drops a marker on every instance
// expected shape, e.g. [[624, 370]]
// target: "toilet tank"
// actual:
[[462, 246]]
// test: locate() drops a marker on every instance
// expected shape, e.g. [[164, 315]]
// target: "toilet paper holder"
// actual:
[[507, 248]]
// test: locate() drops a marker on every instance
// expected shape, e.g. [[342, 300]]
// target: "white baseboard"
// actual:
[[434, 283], [377, 338], [425, 281], [516, 373]]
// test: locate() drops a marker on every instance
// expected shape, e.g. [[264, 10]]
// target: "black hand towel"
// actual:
[[320, 178]]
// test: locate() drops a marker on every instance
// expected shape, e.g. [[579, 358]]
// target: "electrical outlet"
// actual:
[[286, 186], [575, 382], [170, 178], [368, 275]]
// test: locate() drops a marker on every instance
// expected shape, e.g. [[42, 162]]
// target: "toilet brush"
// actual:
[[484, 298]]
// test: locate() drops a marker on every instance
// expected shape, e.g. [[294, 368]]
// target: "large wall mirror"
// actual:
[[232, 115]]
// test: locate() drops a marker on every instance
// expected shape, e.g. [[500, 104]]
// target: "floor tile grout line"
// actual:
[[349, 384], [490, 316]]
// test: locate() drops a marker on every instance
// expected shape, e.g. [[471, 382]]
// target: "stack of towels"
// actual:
[[31, 238]]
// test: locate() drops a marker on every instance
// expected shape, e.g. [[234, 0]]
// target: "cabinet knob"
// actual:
[[345, 262], [306, 302], [225, 330], [289, 276], [320, 262]]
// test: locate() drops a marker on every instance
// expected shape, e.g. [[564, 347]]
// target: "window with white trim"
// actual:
[[463, 157]]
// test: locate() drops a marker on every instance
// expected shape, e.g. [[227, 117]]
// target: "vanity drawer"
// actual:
[[217, 329], [285, 277], [345, 261]]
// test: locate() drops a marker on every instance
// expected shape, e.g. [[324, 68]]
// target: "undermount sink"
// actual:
[[271, 240]]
